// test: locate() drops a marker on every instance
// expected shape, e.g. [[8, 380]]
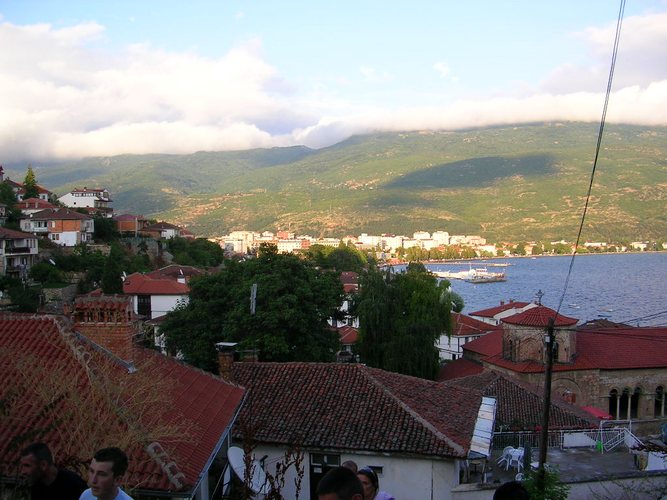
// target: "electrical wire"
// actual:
[[597, 149]]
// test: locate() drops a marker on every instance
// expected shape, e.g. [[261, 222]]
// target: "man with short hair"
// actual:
[[340, 483], [105, 475], [46, 480]]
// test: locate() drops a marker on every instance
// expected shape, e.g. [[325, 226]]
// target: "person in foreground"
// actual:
[[371, 484], [46, 480], [105, 475], [512, 490], [340, 483]]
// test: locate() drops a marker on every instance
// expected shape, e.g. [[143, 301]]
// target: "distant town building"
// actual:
[[95, 201]]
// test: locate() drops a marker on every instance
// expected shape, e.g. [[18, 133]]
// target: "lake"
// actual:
[[626, 288]]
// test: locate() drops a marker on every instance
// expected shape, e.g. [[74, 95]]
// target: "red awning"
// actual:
[[598, 413]]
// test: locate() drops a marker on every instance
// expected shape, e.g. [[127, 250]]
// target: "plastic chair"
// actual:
[[516, 460], [505, 457]]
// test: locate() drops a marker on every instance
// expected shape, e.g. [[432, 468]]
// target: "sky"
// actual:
[[99, 78]]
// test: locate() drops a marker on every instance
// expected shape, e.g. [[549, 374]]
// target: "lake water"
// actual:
[[630, 288]]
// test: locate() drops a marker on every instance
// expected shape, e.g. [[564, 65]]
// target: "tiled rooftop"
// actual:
[[203, 405], [353, 407]]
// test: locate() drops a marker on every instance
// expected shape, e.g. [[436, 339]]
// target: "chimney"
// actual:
[[226, 352], [502, 302], [108, 320]]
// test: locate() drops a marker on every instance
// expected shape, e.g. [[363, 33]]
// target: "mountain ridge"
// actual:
[[522, 182]]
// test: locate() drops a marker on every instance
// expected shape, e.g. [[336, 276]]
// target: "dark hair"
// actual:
[[370, 474], [341, 481], [512, 490], [114, 455], [40, 451]]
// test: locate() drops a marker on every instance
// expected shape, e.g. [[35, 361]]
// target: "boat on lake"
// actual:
[[482, 275]]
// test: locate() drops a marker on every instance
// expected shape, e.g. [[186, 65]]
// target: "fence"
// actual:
[[603, 439]]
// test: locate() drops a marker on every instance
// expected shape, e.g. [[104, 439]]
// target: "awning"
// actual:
[[597, 413]]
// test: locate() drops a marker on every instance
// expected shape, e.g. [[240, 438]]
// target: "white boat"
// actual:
[[482, 275]]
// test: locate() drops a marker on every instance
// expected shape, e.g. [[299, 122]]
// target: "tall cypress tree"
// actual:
[[30, 184]]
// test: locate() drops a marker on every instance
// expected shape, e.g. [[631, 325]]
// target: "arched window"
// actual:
[[556, 348], [614, 404], [659, 410]]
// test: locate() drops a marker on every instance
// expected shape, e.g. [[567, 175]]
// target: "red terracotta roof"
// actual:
[[161, 225], [348, 335], [521, 405], [202, 404], [487, 345], [539, 317], [141, 284], [129, 217], [492, 311], [459, 368], [464, 326], [603, 349], [60, 214], [34, 203], [343, 406], [174, 271], [11, 234]]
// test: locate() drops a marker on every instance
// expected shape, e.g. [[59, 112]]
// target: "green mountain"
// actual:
[[514, 183]]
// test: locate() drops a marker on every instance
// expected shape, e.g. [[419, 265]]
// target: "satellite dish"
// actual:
[[258, 482]]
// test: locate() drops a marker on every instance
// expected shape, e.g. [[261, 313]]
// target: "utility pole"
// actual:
[[544, 438]]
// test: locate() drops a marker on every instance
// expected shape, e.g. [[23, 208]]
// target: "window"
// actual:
[[614, 404], [144, 305], [659, 410]]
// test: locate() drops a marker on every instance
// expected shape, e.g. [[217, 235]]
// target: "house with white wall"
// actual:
[[94, 200], [18, 253], [493, 315], [417, 434], [464, 329], [63, 226]]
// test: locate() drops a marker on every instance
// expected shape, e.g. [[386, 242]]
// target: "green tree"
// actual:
[[8, 197], [346, 258], [30, 184], [105, 229], [550, 489], [197, 252], [289, 323], [46, 273], [111, 276], [401, 315]]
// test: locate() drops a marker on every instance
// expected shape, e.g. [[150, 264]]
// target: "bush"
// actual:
[[46, 273]]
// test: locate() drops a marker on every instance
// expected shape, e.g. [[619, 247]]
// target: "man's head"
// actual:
[[106, 472], [340, 483], [36, 460], [512, 490]]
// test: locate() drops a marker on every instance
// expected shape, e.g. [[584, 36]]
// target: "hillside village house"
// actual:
[[417, 434], [612, 369], [494, 315], [95, 200], [163, 230], [63, 226], [178, 418], [19, 190], [156, 293], [18, 253], [464, 329], [33, 205], [131, 225]]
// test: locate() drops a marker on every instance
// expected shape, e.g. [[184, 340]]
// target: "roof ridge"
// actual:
[[451, 443]]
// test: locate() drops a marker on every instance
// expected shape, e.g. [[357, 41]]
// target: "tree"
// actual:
[[400, 318], [8, 197], [111, 276], [105, 229], [30, 184], [287, 321], [198, 252]]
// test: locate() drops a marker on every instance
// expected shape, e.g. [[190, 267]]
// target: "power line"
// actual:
[[597, 148]]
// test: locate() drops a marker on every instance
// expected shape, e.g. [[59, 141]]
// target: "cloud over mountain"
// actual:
[[65, 94]]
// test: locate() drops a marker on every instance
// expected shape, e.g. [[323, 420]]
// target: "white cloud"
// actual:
[[61, 98], [442, 68]]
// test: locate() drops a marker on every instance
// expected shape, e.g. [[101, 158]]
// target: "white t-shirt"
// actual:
[[88, 495]]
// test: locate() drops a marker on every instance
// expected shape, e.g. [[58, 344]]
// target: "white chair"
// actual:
[[506, 455], [516, 460]]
